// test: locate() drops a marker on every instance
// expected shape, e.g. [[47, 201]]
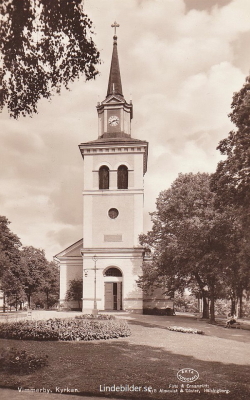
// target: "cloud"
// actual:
[[180, 60], [207, 5]]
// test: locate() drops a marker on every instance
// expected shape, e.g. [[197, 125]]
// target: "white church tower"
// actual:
[[113, 170], [109, 257]]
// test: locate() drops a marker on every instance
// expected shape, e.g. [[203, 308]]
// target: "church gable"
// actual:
[[113, 99], [72, 251]]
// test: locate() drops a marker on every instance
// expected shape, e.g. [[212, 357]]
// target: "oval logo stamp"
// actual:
[[187, 375]]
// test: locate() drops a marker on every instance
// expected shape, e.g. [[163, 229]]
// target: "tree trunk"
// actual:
[[4, 304], [241, 306], [47, 299], [212, 303], [201, 284], [29, 300], [205, 313], [233, 305]]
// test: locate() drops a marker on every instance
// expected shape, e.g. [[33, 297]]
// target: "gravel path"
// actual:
[[218, 344]]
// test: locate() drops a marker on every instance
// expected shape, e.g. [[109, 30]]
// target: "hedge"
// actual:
[[64, 329], [158, 311]]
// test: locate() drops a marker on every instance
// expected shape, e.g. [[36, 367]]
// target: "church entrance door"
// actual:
[[113, 296]]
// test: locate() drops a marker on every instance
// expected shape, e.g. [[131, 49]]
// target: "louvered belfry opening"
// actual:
[[122, 177], [104, 177]]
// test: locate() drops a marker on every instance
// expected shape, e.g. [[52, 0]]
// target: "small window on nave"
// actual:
[[122, 177], [104, 177]]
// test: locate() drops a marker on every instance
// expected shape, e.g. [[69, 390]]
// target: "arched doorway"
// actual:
[[113, 289]]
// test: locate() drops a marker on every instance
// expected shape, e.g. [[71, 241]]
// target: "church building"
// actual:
[[109, 257]]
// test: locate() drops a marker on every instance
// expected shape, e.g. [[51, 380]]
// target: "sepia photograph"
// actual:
[[125, 199]]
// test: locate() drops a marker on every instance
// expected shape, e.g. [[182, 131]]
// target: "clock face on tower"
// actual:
[[113, 120]]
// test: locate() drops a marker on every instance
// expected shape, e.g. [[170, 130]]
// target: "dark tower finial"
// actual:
[[115, 25], [115, 83]]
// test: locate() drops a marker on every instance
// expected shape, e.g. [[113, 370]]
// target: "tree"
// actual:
[[9, 256], [75, 291], [44, 45], [189, 240], [50, 284], [185, 302], [33, 269], [25, 271], [13, 289], [47, 293], [9, 246], [231, 181]]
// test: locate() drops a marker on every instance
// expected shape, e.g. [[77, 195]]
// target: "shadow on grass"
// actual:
[[209, 329], [90, 367], [146, 324]]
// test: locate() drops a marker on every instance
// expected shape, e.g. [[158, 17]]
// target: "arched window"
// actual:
[[104, 177], [113, 272], [122, 177]]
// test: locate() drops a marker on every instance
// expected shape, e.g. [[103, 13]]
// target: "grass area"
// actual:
[[150, 357]]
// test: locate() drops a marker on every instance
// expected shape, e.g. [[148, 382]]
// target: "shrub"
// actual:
[[75, 291], [222, 307], [158, 311], [13, 360], [185, 330], [92, 316], [246, 309], [185, 303], [65, 329]]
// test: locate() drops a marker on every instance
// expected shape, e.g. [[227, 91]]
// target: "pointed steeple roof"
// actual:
[[115, 83]]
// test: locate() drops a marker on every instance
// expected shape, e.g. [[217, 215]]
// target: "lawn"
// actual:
[[150, 357]]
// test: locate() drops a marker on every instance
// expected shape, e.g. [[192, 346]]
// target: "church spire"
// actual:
[[114, 113], [115, 83]]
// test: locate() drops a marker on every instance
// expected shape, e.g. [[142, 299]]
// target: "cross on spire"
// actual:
[[115, 25]]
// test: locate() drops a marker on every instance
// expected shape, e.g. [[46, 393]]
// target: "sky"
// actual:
[[180, 61]]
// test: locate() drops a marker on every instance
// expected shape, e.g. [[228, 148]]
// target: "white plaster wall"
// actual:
[[113, 159], [132, 297], [138, 217], [97, 223], [127, 123], [158, 299], [87, 220], [138, 170], [68, 271], [87, 172], [63, 281], [123, 225]]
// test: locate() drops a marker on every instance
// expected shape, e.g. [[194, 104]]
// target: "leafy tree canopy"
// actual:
[[9, 246], [45, 44], [33, 269], [232, 178], [191, 241], [75, 291], [24, 271], [50, 285]]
